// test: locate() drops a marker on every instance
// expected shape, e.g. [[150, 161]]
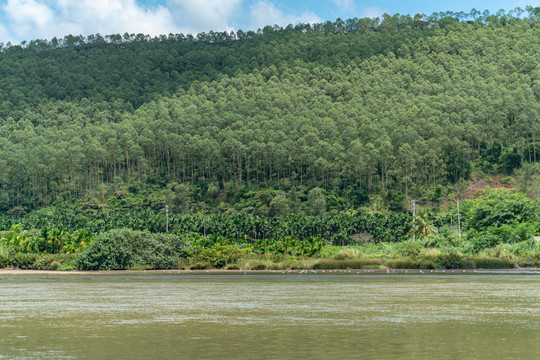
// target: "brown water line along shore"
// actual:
[[11, 272]]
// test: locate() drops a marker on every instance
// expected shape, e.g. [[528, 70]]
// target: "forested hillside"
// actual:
[[304, 119]]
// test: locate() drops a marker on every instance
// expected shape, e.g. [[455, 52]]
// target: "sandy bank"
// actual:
[[11, 272]]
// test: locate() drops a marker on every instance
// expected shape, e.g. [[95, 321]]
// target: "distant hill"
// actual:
[[367, 110]]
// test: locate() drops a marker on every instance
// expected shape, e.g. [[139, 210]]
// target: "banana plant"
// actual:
[[423, 225]]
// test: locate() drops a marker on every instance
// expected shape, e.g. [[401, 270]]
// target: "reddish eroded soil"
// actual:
[[472, 191]]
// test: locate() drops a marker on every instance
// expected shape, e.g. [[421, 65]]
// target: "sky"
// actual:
[[25, 20]]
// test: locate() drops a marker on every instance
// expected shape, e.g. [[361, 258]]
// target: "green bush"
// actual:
[[482, 240], [54, 261], [506, 234], [409, 248], [532, 260], [514, 233], [219, 255], [528, 247], [23, 261], [450, 260], [446, 239], [290, 245], [498, 208], [499, 263], [125, 248], [45, 241]]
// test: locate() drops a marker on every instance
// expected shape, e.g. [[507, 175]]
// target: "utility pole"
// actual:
[[413, 217], [167, 216], [458, 219]]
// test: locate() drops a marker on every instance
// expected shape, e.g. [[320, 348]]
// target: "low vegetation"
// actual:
[[498, 231]]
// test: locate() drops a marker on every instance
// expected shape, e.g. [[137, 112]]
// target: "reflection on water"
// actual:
[[276, 317]]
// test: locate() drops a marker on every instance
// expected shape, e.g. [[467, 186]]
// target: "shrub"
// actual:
[[123, 248], [443, 240], [507, 234], [290, 245], [498, 208], [219, 255], [361, 239], [482, 240], [16, 211], [498, 263], [514, 233], [408, 263], [54, 261], [528, 247], [450, 260], [24, 261], [346, 253], [409, 248]]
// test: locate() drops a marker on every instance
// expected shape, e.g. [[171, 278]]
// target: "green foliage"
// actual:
[[511, 161], [405, 263], [23, 260], [124, 248], [316, 202], [279, 206], [410, 248], [269, 141], [9, 258], [443, 240], [179, 199], [340, 229], [218, 255], [289, 245], [498, 208], [47, 241], [348, 264], [483, 240], [17, 211], [422, 224], [514, 233], [506, 235], [55, 262], [528, 176], [114, 120]]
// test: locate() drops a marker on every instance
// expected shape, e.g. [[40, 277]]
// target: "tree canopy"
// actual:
[[329, 114]]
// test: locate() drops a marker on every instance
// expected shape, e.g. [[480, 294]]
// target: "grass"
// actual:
[[406, 255], [357, 263], [38, 261], [354, 259]]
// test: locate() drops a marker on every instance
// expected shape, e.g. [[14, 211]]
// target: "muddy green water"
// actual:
[[270, 317]]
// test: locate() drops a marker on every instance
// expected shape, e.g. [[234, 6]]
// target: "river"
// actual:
[[270, 317]]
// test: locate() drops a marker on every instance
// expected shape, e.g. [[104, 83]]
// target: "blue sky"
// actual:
[[43, 19]]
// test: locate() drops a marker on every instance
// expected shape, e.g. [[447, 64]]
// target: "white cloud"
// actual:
[[31, 19], [345, 5], [372, 12], [45, 19], [28, 12], [204, 15], [266, 13], [116, 16]]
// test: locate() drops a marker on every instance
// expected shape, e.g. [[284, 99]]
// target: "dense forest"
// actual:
[[308, 134], [364, 109]]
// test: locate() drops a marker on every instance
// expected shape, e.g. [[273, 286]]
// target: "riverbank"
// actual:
[[12, 272]]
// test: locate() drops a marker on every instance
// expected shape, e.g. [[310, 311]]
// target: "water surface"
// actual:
[[270, 317]]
